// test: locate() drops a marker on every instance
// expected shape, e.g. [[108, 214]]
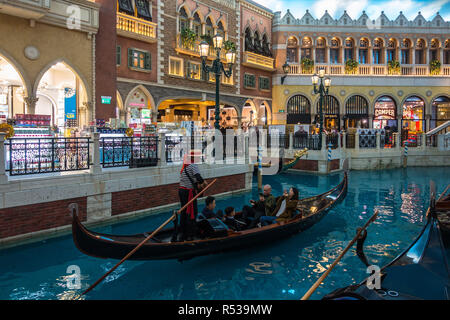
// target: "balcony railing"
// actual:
[[193, 49], [135, 28], [368, 70], [258, 61]]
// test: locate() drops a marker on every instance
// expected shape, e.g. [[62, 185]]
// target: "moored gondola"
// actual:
[[102, 245], [421, 272]]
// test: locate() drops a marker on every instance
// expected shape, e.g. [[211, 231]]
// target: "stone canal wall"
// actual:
[[35, 207]]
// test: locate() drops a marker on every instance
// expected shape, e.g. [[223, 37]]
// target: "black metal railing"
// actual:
[[306, 141], [333, 139], [387, 140], [368, 141], [177, 146], [283, 140], [129, 151], [350, 141], [44, 155]]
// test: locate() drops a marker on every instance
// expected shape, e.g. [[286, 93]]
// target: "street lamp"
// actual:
[[286, 70], [217, 68], [323, 89]]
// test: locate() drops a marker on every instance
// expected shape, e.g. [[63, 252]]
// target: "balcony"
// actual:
[[258, 61], [25, 9], [193, 49], [135, 28], [370, 70]]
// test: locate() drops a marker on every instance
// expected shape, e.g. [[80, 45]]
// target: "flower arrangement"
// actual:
[[307, 65], [229, 46], [351, 66], [435, 67], [393, 67], [188, 37]]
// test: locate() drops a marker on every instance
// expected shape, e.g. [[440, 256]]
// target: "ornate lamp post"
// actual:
[[217, 68], [324, 86]]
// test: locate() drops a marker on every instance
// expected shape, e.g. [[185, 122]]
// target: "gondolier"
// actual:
[[190, 183]]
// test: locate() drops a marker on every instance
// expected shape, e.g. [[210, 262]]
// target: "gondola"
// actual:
[[421, 272], [160, 247], [443, 215]]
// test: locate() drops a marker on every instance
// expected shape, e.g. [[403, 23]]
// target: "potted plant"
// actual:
[[393, 67], [207, 38], [307, 65], [188, 38], [229, 46], [351, 66], [435, 67]]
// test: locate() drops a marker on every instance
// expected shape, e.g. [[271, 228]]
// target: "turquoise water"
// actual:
[[282, 270]]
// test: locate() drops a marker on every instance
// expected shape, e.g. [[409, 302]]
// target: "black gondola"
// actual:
[[160, 247], [443, 215], [421, 272]]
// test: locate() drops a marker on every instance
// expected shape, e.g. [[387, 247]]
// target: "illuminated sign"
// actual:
[[106, 100], [70, 103]]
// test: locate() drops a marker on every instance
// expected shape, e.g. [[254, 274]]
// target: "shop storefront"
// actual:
[[413, 119], [298, 110], [331, 117], [356, 113], [385, 114], [140, 113], [440, 111], [228, 117]]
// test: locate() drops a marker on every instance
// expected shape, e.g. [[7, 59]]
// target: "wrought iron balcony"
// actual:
[[258, 61], [136, 28]]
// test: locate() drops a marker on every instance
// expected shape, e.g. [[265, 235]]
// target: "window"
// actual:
[[139, 60], [118, 55], [175, 66], [226, 80], [405, 56], [249, 81], [193, 70], [197, 25], [184, 20], [334, 56], [376, 56], [264, 83], [320, 55], [291, 54]]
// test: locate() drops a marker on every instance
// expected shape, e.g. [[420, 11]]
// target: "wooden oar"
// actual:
[[320, 280], [145, 240]]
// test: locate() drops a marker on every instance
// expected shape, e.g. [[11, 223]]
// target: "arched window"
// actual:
[[257, 43], [405, 53], [197, 25], [330, 109], [440, 111], [298, 110], [413, 114], [221, 29], [434, 50], [385, 113], [447, 52], [334, 50], [183, 20], [357, 112], [391, 50], [378, 51], [306, 48], [265, 46], [420, 51], [349, 49], [320, 50], [248, 40], [292, 50], [363, 51], [209, 29]]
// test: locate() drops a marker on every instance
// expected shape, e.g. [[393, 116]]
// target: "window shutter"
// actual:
[[118, 55], [130, 57], [148, 61]]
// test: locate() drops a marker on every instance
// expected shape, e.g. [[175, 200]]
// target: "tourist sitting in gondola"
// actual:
[[285, 208], [208, 210], [263, 207], [231, 222]]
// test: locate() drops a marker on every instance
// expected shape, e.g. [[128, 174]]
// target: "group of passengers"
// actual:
[[265, 211]]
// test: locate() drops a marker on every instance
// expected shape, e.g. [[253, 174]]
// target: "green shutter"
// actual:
[[130, 57], [148, 61], [118, 55]]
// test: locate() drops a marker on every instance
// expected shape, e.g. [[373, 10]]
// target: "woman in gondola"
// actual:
[[285, 208]]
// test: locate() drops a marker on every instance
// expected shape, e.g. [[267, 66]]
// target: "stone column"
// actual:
[[162, 149], [3, 176], [370, 121], [397, 137], [378, 140], [31, 101], [291, 141], [357, 141], [96, 168], [246, 149]]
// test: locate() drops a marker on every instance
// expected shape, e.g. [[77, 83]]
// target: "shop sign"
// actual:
[[106, 100], [146, 114], [70, 103], [385, 112]]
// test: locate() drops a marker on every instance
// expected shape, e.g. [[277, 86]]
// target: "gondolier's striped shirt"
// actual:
[[194, 173]]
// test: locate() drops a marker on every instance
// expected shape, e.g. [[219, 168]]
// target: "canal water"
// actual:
[[281, 270]]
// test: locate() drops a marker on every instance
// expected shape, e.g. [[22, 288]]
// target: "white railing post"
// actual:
[[357, 140], [424, 141], [246, 149], [3, 176], [378, 140], [96, 167], [162, 149], [398, 141], [291, 141]]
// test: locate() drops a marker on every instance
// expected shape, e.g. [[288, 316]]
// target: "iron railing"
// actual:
[[306, 141], [128, 151], [45, 155], [333, 139], [177, 146]]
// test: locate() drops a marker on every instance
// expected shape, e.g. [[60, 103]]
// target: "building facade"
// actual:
[[383, 73], [160, 78], [47, 64]]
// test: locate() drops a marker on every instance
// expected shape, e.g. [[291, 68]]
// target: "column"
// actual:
[[357, 140], [31, 101], [378, 138], [344, 140], [291, 141], [3, 176], [96, 167], [246, 149], [370, 121], [162, 149]]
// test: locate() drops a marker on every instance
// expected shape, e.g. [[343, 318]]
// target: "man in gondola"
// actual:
[[264, 206], [191, 182]]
